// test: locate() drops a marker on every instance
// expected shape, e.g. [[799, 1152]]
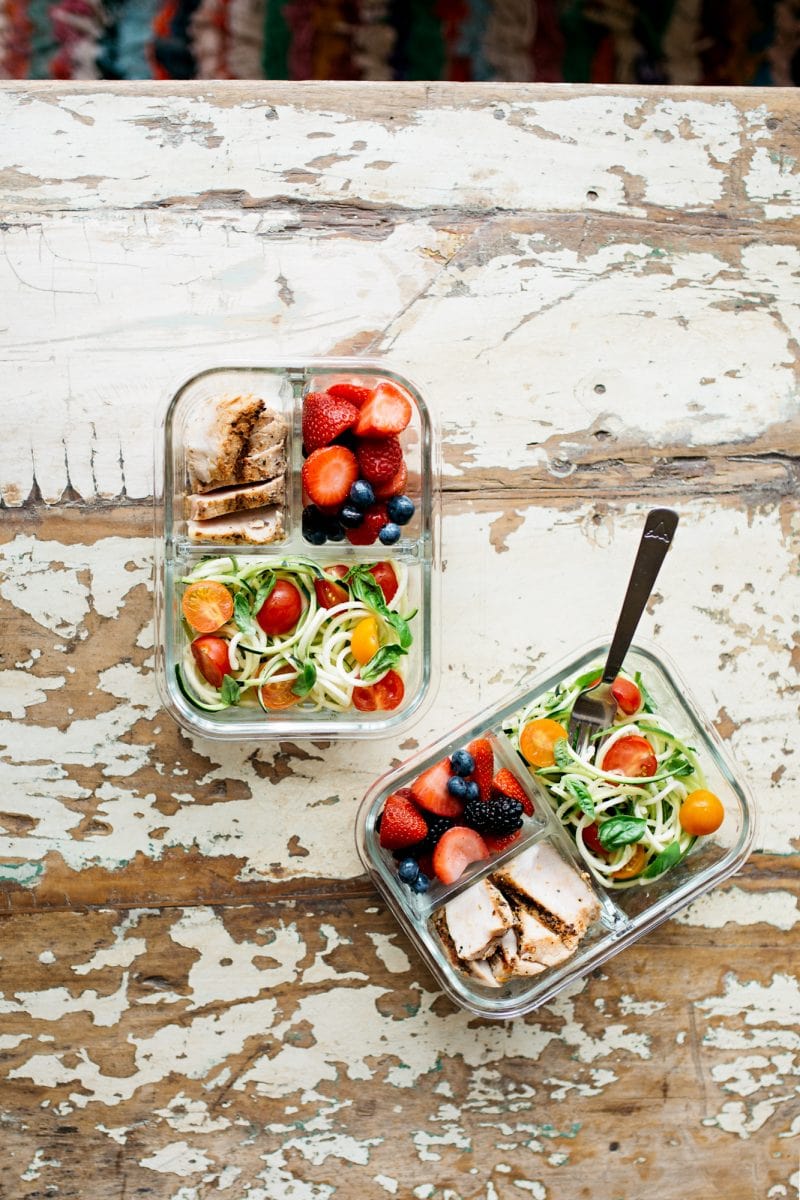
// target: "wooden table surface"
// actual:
[[599, 290]]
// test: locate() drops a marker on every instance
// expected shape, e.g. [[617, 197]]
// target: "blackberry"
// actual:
[[503, 815], [437, 828]]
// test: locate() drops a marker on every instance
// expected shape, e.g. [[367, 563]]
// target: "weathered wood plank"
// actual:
[[279, 1052]]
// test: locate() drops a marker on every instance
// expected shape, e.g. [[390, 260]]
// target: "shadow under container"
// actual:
[[283, 386], [625, 915]]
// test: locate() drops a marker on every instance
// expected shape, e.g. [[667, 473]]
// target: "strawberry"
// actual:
[[455, 850], [506, 784], [388, 410], [395, 486], [402, 824], [329, 594], [353, 393], [328, 475], [375, 517], [481, 751], [430, 791], [324, 417], [379, 459], [495, 842]]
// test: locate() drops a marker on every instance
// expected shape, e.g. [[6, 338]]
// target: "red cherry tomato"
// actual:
[[281, 610], [384, 695], [336, 571], [329, 594], [278, 695], [386, 579], [211, 655], [626, 694], [632, 756], [591, 840]]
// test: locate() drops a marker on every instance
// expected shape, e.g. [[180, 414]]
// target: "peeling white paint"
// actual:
[[19, 690], [177, 1158], [186, 1115], [393, 957], [736, 907]]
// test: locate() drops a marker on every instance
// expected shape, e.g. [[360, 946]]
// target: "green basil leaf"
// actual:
[[669, 857], [306, 679], [264, 589], [677, 764], [365, 587], [580, 793], [380, 663], [242, 613], [562, 755], [648, 703], [621, 831], [230, 690]]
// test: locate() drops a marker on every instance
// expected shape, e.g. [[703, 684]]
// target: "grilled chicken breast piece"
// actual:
[[258, 527], [540, 880], [235, 499], [477, 919], [230, 440]]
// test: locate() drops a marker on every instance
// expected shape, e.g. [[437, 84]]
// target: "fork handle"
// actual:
[[659, 530]]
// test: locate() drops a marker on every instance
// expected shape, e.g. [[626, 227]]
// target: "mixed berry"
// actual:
[[354, 474], [457, 812]]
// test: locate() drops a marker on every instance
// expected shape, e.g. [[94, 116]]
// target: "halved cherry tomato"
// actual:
[[281, 610], [626, 694], [701, 813], [364, 640], [278, 695], [211, 655], [336, 571], [329, 594], [537, 740], [632, 756], [591, 839], [385, 695], [386, 579], [207, 605], [634, 865]]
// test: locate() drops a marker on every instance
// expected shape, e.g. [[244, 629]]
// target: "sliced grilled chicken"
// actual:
[[482, 970], [539, 946], [257, 527], [541, 880], [229, 440], [477, 919], [235, 499]]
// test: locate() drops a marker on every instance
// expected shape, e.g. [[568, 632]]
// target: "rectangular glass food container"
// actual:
[[283, 385], [625, 915]]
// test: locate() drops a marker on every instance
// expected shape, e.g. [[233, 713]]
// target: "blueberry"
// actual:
[[334, 530], [361, 494], [408, 870], [351, 516], [473, 791], [457, 787], [390, 534], [462, 762], [314, 525], [400, 509], [421, 883]]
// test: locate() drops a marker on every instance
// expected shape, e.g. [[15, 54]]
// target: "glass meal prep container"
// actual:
[[595, 922], [183, 547]]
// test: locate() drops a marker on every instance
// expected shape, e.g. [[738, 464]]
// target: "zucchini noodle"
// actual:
[[584, 796], [316, 650]]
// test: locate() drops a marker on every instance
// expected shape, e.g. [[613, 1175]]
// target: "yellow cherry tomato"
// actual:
[[634, 864], [537, 740], [364, 641], [701, 813]]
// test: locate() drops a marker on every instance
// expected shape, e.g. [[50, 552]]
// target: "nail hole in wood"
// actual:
[[591, 195], [600, 389], [772, 123]]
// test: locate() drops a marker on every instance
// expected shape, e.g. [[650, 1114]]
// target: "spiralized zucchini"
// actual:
[[585, 796], [315, 655]]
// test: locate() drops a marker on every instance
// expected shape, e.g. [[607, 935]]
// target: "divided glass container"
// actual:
[[283, 386], [623, 916]]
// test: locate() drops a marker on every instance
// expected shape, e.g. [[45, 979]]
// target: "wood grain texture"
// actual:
[[597, 290]]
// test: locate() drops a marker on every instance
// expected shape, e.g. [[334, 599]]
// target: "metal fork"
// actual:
[[595, 707]]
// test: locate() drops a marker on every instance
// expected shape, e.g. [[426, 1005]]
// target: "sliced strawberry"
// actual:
[[329, 594], [328, 475], [388, 410], [379, 459], [455, 850], [353, 393], [506, 784], [495, 842], [324, 418], [395, 486], [375, 517], [402, 824], [481, 751], [430, 791]]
